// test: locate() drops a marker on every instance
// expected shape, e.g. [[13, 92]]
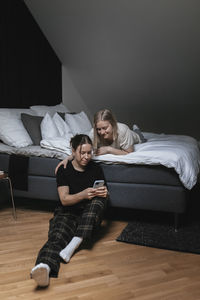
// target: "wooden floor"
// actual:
[[108, 270]]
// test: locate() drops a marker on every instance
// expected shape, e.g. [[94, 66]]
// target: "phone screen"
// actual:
[[98, 183]]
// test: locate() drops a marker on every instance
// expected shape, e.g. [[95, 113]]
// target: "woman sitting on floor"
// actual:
[[80, 210]]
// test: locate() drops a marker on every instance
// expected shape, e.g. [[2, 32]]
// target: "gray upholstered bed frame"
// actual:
[[154, 188]]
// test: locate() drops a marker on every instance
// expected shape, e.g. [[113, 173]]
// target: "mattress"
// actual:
[[130, 186], [45, 167], [158, 175], [180, 153]]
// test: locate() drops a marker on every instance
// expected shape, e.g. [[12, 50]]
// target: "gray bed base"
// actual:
[[145, 187]]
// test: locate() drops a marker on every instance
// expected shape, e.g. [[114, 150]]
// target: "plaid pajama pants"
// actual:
[[67, 223]]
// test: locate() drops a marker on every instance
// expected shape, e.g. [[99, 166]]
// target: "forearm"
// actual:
[[68, 199], [70, 157], [115, 151], [71, 199]]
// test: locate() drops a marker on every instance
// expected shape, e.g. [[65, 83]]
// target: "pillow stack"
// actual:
[[79, 123], [24, 127], [12, 130], [55, 126], [52, 127]]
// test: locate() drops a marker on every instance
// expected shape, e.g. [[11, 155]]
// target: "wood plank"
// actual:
[[106, 270]]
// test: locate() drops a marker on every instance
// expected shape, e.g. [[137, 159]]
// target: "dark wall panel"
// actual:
[[30, 72]]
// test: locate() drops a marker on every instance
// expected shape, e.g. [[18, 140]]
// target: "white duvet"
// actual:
[[61, 144], [172, 151]]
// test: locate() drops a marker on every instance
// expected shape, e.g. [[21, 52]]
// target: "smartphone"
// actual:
[[98, 183]]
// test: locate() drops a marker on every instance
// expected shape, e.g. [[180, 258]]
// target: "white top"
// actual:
[[126, 137]]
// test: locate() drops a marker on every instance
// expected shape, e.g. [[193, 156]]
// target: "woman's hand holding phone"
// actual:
[[98, 183], [100, 188], [101, 191]]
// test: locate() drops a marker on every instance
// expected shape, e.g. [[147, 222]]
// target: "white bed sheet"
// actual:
[[32, 151], [172, 151]]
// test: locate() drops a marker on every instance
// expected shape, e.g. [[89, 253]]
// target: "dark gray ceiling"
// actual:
[[140, 58]]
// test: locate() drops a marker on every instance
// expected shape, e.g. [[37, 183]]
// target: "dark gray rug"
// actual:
[[157, 230]]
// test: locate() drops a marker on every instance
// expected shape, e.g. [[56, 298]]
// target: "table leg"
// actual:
[[12, 198]]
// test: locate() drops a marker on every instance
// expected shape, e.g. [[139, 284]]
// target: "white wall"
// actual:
[[139, 58]]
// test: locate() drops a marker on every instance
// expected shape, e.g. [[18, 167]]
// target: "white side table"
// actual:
[[4, 176]]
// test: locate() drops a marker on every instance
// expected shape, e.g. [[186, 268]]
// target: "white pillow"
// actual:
[[15, 112], [48, 128], [62, 126], [13, 133], [79, 123], [41, 110]]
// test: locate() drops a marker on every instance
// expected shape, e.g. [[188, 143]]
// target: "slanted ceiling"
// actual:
[[139, 58]]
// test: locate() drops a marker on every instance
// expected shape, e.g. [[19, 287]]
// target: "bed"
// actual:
[[157, 176]]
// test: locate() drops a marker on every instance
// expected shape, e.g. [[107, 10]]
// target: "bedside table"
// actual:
[[4, 176]]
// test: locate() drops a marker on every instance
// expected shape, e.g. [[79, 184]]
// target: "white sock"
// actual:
[[40, 273], [68, 251]]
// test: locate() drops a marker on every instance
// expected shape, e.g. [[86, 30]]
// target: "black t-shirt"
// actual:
[[78, 181]]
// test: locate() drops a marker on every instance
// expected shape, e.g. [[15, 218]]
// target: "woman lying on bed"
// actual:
[[109, 136]]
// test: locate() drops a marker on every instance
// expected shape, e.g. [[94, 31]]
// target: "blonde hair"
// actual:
[[104, 115]]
